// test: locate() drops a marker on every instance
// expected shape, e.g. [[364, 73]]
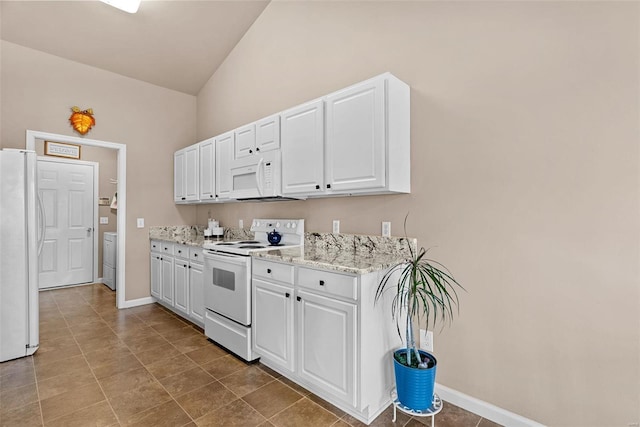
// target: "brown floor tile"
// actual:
[[169, 326], [99, 342], [117, 365], [488, 423], [186, 381], [65, 382], [341, 423], [96, 415], [154, 354], [205, 399], [224, 366], [326, 405], [48, 355], [303, 391], [192, 343], [25, 416], [120, 383], [272, 398], [266, 424], [129, 335], [385, 419], [105, 356], [18, 365], [59, 367], [70, 401], [140, 399], [303, 413], [247, 380], [180, 334], [168, 414], [73, 319], [268, 370], [50, 333], [140, 344], [236, 413], [167, 367], [84, 331], [16, 397], [17, 379], [206, 354], [452, 416]]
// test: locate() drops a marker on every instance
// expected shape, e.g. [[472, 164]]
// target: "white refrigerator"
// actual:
[[19, 241]]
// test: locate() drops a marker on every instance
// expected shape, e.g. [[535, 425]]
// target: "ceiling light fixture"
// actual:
[[130, 6]]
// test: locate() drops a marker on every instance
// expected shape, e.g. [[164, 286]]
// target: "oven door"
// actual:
[[228, 286]]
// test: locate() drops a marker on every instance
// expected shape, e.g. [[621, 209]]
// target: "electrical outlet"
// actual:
[[240, 223], [104, 220], [140, 222], [386, 228], [336, 226], [426, 340]]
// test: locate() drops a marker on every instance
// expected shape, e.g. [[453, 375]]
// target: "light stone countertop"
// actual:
[[346, 253]]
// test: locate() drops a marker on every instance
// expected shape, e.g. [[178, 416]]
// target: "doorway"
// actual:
[[121, 149], [67, 189]]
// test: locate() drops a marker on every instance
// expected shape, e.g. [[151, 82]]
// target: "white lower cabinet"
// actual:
[[322, 330], [177, 279], [325, 344], [196, 292]]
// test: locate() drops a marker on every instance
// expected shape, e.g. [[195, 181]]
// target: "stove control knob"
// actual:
[[288, 225], [294, 225], [256, 223], [277, 225]]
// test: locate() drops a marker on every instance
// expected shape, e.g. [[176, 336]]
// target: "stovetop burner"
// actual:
[[248, 242], [250, 247]]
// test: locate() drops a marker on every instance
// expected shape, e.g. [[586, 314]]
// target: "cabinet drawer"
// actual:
[[156, 246], [195, 254], [273, 270], [328, 283], [181, 251], [166, 248]]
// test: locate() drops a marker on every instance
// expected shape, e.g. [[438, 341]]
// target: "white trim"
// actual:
[[484, 409], [139, 301], [31, 137]]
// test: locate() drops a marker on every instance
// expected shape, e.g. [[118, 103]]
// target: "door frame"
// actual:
[[96, 177], [31, 137]]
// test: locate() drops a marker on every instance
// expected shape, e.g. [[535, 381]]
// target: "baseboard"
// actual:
[[484, 409], [137, 302]]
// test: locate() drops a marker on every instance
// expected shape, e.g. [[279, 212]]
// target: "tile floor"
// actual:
[[99, 366]]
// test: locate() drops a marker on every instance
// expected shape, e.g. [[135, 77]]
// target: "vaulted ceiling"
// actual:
[[175, 44]]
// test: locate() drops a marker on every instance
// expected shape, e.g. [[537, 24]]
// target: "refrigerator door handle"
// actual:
[[41, 225]]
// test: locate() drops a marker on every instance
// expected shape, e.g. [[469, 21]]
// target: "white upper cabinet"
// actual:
[[207, 153], [224, 155], [263, 135], [355, 138], [367, 141], [302, 145], [185, 174]]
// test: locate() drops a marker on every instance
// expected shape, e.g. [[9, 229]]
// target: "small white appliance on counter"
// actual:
[[20, 241], [227, 275], [109, 257]]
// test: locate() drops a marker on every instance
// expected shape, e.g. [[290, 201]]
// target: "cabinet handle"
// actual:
[[328, 185], [179, 251], [189, 266], [216, 195], [195, 255], [184, 198], [321, 282], [317, 187], [250, 151], [257, 149], [298, 299], [211, 195], [269, 270], [185, 266], [287, 295]]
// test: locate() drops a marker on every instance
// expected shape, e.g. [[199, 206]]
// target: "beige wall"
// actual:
[[38, 91], [525, 177]]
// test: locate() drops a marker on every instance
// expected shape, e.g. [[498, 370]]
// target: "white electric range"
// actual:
[[227, 275]]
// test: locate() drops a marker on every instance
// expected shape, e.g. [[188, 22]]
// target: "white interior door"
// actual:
[[67, 192]]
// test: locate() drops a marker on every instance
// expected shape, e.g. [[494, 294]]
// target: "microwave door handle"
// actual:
[[259, 173]]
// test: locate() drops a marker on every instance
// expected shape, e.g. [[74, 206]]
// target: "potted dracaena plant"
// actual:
[[424, 293]]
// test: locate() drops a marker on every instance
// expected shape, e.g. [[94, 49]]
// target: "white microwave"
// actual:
[[257, 177]]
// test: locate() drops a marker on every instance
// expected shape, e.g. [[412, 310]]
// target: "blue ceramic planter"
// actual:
[[415, 386]]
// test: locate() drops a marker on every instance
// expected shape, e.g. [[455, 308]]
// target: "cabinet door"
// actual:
[[207, 156], [109, 252], [302, 145], [245, 141], [196, 292], [179, 184], [272, 326], [167, 280], [355, 139], [224, 154], [156, 276], [181, 285], [268, 134], [326, 344], [191, 175]]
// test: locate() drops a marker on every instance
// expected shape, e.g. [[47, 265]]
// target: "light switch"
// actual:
[[140, 222], [104, 220]]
